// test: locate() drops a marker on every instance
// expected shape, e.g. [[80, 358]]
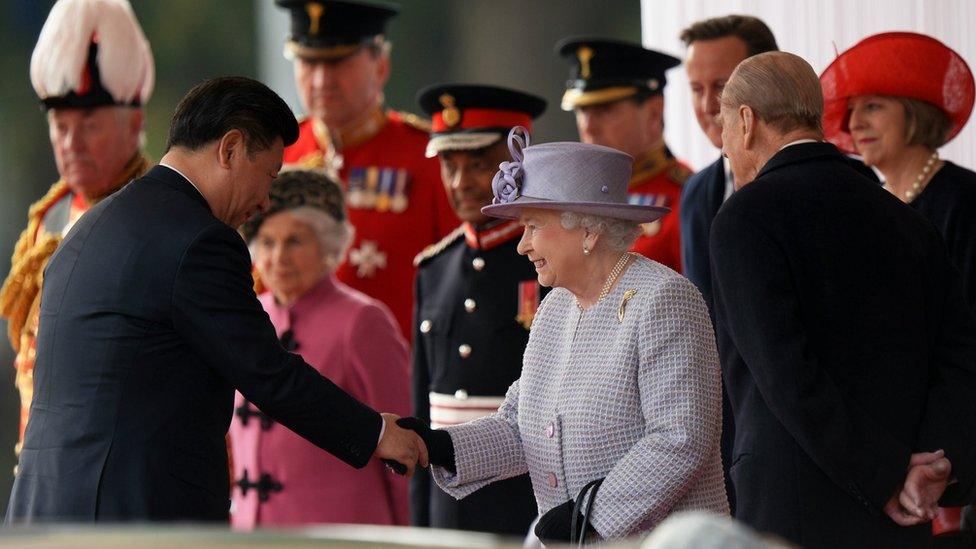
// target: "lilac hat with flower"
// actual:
[[573, 177]]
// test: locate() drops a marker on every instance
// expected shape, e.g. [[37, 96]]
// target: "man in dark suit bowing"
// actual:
[[149, 323], [849, 353]]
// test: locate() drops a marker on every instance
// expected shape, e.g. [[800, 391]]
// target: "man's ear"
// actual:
[[383, 69], [747, 117], [230, 146]]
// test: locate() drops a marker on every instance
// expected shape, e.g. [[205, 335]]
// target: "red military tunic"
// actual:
[[657, 179], [395, 199]]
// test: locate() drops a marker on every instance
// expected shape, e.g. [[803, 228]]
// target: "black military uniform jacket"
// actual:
[[475, 299]]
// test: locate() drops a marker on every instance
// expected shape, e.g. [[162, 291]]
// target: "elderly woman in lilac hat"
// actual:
[[617, 415]]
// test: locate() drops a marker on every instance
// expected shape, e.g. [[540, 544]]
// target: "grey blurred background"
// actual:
[[502, 42]]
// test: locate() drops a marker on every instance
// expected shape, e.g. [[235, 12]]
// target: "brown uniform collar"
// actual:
[[651, 164]]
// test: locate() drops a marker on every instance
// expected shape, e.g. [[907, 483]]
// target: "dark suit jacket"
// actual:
[[701, 197], [846, 346], [148, 324]]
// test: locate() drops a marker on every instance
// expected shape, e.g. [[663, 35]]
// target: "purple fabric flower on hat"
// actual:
[[507, 183]]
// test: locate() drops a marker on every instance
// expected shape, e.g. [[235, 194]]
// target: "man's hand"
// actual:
[[401, 445], [917, 500], [925, 485]]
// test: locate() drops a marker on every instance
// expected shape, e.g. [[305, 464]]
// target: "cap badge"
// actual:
[[450, 114], [314, 11], [653, 84], [584, 54]]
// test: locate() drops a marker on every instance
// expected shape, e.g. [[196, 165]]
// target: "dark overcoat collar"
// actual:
[[795, 154]]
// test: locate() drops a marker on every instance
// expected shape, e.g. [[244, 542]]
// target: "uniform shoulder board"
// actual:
[[679, 174], [414, 121], [438, 247]]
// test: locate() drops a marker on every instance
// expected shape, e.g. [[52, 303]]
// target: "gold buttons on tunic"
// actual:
[[464, 350], [478, 263], [460, 394], [470, 305]]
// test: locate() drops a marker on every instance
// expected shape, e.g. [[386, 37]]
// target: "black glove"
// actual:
[[440, 447], [556, 525]]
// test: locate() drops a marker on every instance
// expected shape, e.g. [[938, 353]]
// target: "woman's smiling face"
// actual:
[[556, 252]]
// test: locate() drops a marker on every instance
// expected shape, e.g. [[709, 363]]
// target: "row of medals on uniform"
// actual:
[[377, 189]]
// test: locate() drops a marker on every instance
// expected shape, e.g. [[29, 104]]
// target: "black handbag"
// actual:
[[577, 533]]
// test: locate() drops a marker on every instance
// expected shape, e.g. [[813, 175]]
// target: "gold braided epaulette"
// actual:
[[438, 247], [30, 256], [414, 121]]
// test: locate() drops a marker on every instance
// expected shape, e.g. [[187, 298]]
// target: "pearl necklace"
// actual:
[[917, 185], [614, 273]]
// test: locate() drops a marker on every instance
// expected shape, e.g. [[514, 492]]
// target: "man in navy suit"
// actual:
[[149, 323], [715, 47]]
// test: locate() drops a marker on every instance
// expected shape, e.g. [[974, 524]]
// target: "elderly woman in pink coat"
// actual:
[[279, 478]]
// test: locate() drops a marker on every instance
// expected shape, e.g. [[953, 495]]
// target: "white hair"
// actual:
[[334, 236], [705, 530], [617, 234]]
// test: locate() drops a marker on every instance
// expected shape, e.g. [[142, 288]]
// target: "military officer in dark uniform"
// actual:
[[475, 297], [616, 90]]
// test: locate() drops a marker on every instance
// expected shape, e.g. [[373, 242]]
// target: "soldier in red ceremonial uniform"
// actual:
[[93, 70], [476, 298], [395, 200], [616, 90]]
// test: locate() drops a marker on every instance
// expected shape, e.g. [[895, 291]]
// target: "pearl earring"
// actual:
[[586, 251]]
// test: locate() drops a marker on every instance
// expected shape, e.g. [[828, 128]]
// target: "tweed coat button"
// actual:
[[461, 394], [425, 326], [478, 263], [553, 481], [470, 305], [464, 350], [550, 430]]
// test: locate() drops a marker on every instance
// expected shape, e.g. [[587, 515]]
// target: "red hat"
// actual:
[[902, 64]]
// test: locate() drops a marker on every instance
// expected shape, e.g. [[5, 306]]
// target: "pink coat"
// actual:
[[353, 340]]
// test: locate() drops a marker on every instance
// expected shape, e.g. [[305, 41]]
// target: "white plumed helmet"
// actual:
[[92, 53]]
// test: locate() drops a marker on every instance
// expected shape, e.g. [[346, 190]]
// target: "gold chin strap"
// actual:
[[574, 98], [295, 50]]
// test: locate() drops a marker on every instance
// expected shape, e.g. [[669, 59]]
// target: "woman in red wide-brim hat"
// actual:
[[895, 98]]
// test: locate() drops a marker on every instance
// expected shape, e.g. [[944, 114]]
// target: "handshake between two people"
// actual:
[[409, 441], [917, 500]]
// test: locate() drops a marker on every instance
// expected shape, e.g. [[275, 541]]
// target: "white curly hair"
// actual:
[[617, 234]]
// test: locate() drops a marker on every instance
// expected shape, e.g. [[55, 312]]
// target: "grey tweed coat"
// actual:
[[636, 400]]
